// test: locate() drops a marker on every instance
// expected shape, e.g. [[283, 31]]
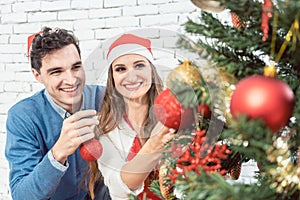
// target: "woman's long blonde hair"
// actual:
[[112, 111]]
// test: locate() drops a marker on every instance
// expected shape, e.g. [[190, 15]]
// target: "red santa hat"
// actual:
[[129, 44]]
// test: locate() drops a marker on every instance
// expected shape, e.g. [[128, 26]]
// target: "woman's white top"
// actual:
[[116, 148]]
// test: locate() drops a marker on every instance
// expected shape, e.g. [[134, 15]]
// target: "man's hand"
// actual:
[[76, 129]]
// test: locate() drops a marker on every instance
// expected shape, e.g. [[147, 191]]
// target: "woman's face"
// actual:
[[132, 75]]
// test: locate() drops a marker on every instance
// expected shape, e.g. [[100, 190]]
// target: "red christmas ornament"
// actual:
[[236, 21], [265, 16], [269, 99], [204, 110], [169, 111], [91, 150]]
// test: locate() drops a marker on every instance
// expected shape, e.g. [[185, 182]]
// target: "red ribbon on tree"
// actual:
[[266, 15]]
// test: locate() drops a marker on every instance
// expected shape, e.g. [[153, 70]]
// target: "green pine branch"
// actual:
[[241, 51], [215, 187]]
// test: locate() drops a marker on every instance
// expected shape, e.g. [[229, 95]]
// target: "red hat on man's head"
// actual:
[[29, 42], [129, 44]]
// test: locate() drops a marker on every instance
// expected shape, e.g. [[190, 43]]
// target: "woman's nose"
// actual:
[[132, 75]]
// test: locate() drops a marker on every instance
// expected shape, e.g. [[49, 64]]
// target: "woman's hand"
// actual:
[[160, 136], [134, 172]]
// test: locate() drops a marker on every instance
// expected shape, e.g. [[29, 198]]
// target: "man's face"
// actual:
[[63, 76]]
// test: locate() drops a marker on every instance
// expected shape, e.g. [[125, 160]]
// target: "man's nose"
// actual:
[[70, 77]]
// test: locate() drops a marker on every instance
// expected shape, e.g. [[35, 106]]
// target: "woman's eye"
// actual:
[[141, 65], [119, 69]]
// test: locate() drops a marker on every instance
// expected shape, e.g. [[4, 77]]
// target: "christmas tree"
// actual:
[[256, 54]]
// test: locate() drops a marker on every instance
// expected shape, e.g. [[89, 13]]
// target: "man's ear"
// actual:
[[37, 75]]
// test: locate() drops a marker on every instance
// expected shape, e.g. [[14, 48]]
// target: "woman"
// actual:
[[131, 137]]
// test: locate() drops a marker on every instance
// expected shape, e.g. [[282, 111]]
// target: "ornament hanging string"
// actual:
[[292, 33], [273, 41], [270, 70]]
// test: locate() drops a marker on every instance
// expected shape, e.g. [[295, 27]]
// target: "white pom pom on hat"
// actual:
[[129, 44]]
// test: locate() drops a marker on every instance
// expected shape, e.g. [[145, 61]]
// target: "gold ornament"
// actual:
[[185, 73], [235, 171], [229, 82], [166, 190], [284, 173], [237, 22], [270, 71], [208, 5]]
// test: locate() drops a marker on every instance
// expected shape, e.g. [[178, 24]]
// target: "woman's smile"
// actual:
[[133, 86]]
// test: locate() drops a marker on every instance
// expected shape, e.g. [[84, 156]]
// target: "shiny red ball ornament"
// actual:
[[266, 98], [91, 150], [169, 111], [204, 110]]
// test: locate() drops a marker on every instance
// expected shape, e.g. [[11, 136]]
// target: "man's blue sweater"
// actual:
[[33, 127]]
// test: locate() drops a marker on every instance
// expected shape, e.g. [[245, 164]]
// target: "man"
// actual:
[[44, 131]]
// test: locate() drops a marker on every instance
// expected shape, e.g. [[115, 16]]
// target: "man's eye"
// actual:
[[77, 67], [56, 72]]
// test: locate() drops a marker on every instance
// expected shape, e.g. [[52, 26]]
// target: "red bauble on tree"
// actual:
[[269, 99], [204, 110], [169, 111], [91, 150]]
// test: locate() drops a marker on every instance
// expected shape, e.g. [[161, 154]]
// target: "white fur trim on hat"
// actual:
[[126, 49]]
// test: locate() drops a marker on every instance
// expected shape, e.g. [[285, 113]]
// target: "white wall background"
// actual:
[[93, 21]]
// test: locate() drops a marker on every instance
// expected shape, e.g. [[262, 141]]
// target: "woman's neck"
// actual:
[[137, 112]]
